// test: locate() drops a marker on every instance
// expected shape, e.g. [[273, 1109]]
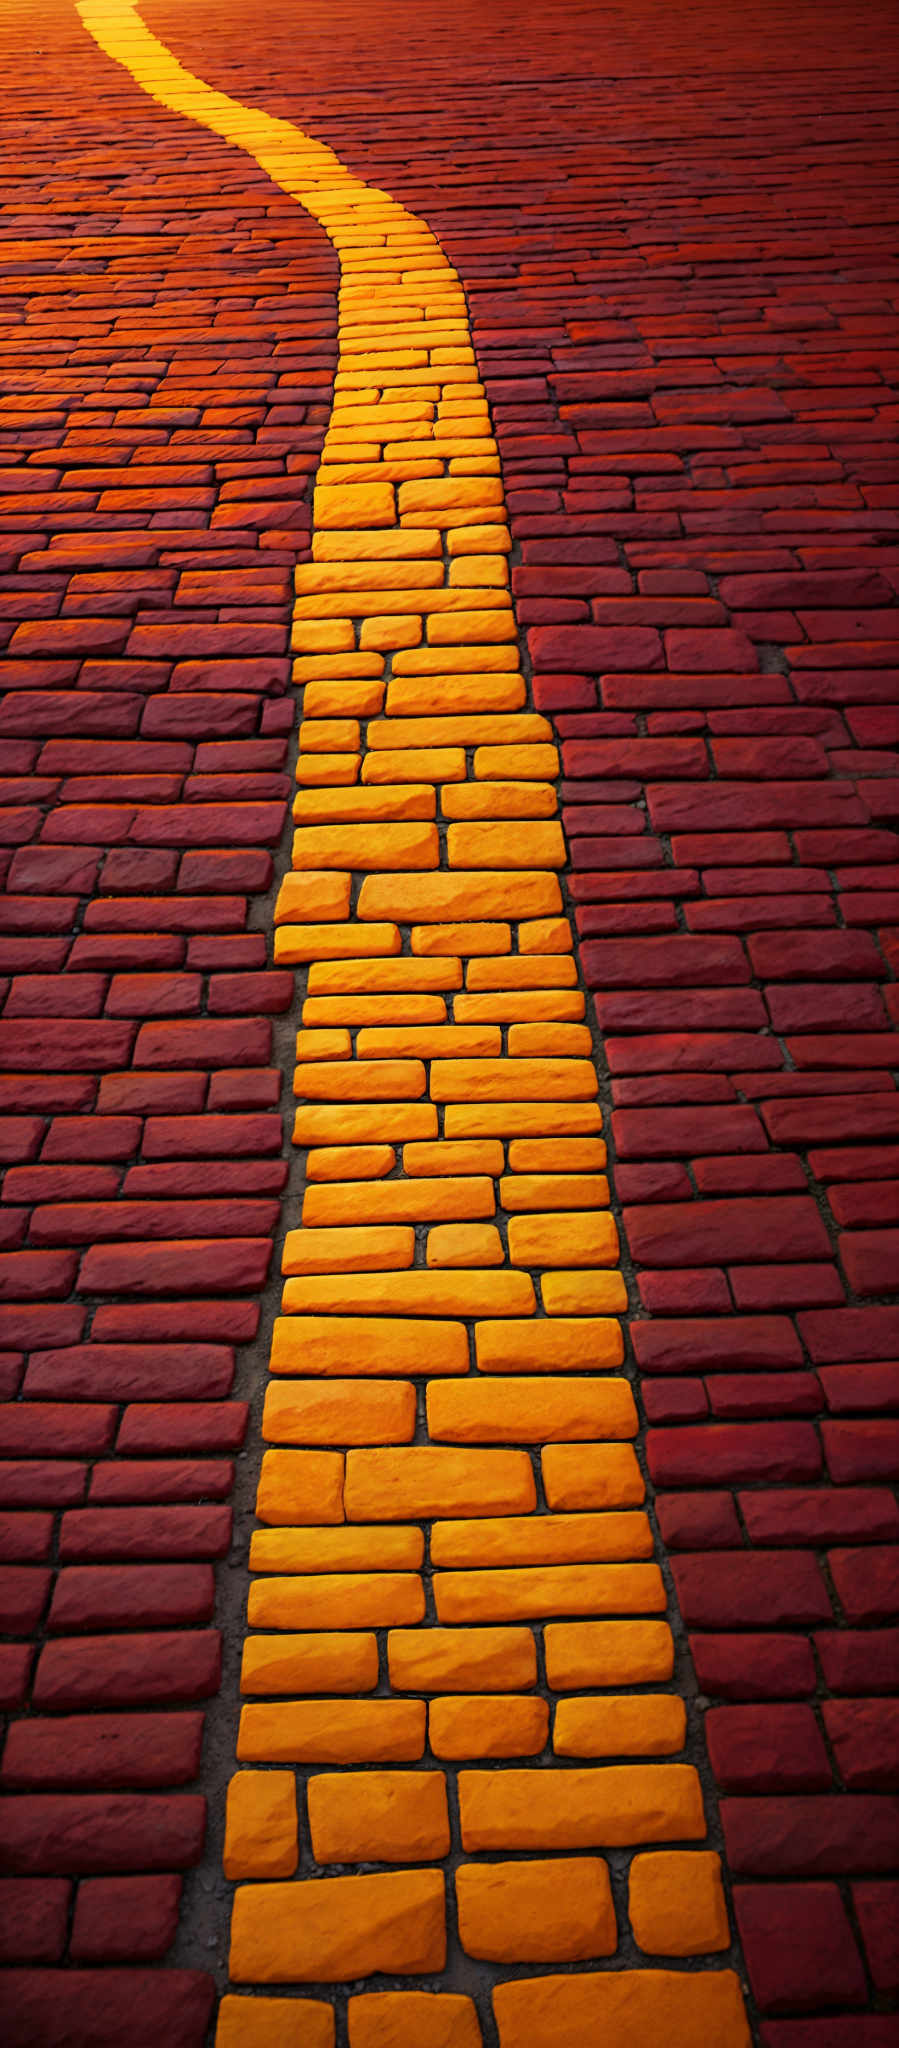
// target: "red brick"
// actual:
[[23, 1597], [743, 1342], [35, 1276], [15, 1668], [46, 1482], [708, 1232], [809, 1835], [864, 1662], [754, 1667], [743, 1395], [690, 1521], [126, 1596], [751, 1590], [191, 1264], [84, 2008], [864, 1735], [45, 1833], [850, 1333], [163, 1479], [124, 1372], [25, 1538], [877, 1912], [128, 1670], [103, 1751], [34, 1914], [125, 1919], [43, 1043], [799, 1947], [157, 1532], [677, 962], [866, 1582], [820, 1515], [211, 1136], [665, 1133], [861, 1450], [42, 1427], [183, 1426], [767, 1749]]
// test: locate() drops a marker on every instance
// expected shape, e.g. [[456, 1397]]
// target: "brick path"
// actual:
[[567, 1656]]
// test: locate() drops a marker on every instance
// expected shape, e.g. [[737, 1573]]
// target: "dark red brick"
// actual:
[[84, 2008], [128, 1670], [767, 1749], [104, 1751], [34, 1915], [877, 1912], [750, 1591], [799, 1946], [157, 1532], [811, 1835], [49, 1833], [125, 1596], [125, 1919], [754, 1667], [864, 1735]]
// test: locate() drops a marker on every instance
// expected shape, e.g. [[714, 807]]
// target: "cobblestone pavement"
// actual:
[[473, 434]]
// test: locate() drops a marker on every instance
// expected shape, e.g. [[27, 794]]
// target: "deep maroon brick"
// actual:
[[860, 1662], [737, 1395], [799, 1946], [870, 1260], [877, 1911], [122, 1372], [38, 1427], [750, 1590], [163, 1479], [690, 1521], [857, 1333], [862, 1450], [672, 1133], [25, 1538], [157, 1532], [866, 1582], [50, 1833], [200, 1042], [128, 1670], [743, 1342], [682, 961], [27, 1482], [103, 1751], [84, 2008], [811, 1835], [35, 1276], [767, 1749], [33, 1919], [705, 1233], [754, 1667], [211, 1136], [194, 1265], [126, 1596], [42, 1043], [15, 1668], [125, 1919], [865, 1739], [184, 1426], [723, 1452], [820, 1515]]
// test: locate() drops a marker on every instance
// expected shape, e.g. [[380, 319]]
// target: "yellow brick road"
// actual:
[[454, 1569]]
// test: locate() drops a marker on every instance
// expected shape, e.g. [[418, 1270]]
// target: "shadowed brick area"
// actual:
[[673, 236]]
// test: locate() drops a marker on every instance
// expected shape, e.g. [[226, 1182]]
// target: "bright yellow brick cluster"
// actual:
[[454, 1566]]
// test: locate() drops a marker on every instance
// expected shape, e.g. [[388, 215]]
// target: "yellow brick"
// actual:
[[341, 667], [360, 1080], [410, 2019], [518, 844], [608, 1808], [333, 1732], [528, 1410], [461, 939], [642, 1724], [378, 1817], [592, 1653], [431, 597], [330, 735], [565, 1238], [534, 1539], [395, 544], [324, 1045], [324, 771], [475, 540], [525, 1593], [378, 1549], [471, 1292], [392, 801], [339, 1663], [326, 697], [592, 1476], [512, 1119], [362, 1009], [549, 1345], [451, 503], [322, 636], [531, 1041], [355, 505], [363, 1250], [333, 1345], [467, 628], [676, 1903], [451, 663], [536, 762], [428, 1041], [495, 1080], [488, 571], [297, 942], [398, 1201], [336, 1600], [557, 1155], [358, 574], [365, 848], [465, 1244], [545, 935], [416, 764], [275, 2023], [420, 695], [426, 1480], [464, 1728], [500, 800], [359, 1162], [583, 1293], [261, 1825], [339, 1929], [627, 2008], [438, 898], [559, 1911], [363, 1122], [339, 1411], [459, 1659], [452, 730], [300, 1486], [446, 1158], [319, 895], [512, 1005], [386, 975], [521, 1192], [519, 973]]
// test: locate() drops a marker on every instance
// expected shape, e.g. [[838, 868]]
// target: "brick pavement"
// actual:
[[677, 281]]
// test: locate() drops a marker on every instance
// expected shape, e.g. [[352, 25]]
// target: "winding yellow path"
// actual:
[[452, 1464]]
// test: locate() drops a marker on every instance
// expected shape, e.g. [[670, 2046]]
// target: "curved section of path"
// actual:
[[452, 1463]]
